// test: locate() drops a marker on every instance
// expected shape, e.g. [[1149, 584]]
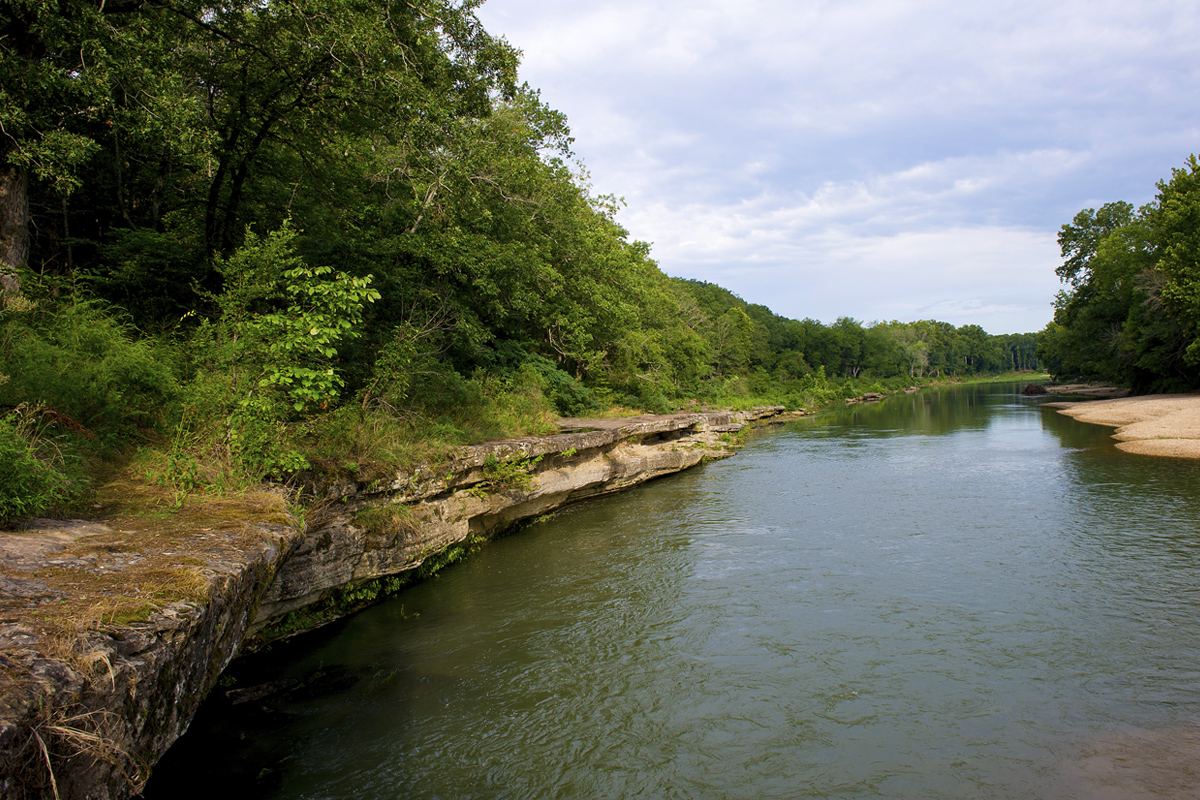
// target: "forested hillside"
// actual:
[[1130, 312], [268, 236]]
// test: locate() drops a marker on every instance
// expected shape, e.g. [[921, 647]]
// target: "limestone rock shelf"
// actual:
[[113, 632]]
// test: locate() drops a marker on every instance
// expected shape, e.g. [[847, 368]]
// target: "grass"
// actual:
[[59, 733], [615, 412], [145, 558], [1004, 377], [385, 521]]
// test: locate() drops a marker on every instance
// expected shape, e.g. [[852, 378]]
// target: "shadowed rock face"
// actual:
[[85, 715], [103, 702]]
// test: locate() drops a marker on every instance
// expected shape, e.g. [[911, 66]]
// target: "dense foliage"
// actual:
[[302, 232], [1130, 312]]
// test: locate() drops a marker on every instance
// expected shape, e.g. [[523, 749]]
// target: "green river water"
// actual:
[[953, 594]]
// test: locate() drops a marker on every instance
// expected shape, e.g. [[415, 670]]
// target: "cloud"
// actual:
[[999, 278], [773, 144], [952, 192]]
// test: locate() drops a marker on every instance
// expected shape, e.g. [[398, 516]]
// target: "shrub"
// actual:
[[267, 358], [79, 359], [29, 485], [570, 397]]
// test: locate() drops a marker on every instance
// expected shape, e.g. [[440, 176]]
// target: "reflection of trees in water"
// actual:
[[1138, 483], [929, 412], [1073, 433]]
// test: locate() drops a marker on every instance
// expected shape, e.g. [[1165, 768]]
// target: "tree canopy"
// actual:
[[1130, 311]]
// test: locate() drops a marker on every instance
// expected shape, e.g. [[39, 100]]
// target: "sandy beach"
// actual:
[[1155, 425]]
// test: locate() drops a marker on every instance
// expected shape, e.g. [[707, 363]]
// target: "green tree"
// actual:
[[913, 344], [848, 335], [56, 73], [1107, 255], [1081, 238], [1177, 237], [271, 349], [1129, 313], [731, 338]]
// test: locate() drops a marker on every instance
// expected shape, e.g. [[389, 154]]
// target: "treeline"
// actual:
[[281, 232], [1130, 310], [749, 337]]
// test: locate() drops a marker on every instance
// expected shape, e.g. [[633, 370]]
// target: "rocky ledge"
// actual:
[[113, 632]]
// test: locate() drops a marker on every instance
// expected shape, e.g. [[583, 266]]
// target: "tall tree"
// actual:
[[1080, 239], [265, 100], [1177, 236], [56, 68], [1130, 312]]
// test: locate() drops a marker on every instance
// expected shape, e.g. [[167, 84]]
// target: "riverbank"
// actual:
[[698, 622], [112, 631], [1155, 425]]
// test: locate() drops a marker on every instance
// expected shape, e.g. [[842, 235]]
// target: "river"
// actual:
[[952, 594]]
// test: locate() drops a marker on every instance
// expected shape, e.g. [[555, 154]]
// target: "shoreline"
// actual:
[[1152, 425], [113, 630]]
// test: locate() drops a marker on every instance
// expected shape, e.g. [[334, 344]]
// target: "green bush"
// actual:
[[265, 363], [570, 397], [81, 361], [29, 485]]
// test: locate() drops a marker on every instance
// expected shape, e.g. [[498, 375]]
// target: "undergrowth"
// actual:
[[506, 474], [38, 470]]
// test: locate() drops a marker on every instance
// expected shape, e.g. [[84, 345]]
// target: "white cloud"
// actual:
[[775, 146], [998, 278]]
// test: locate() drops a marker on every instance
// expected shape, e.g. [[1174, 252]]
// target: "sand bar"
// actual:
[[1153, 425]]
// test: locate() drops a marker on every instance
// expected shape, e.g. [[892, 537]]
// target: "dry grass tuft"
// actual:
[[59, 735], [91, 735]]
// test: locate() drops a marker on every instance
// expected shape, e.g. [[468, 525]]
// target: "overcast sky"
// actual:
[[878, 159]]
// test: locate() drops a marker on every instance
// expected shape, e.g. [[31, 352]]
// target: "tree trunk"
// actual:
[[14, 226]]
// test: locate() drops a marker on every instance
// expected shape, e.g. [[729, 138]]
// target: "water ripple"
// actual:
[[955, 596]]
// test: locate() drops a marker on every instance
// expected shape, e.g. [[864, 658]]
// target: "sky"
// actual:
[[876, 159]]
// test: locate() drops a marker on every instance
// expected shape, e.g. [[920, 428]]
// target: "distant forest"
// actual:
[[1130, 309], [255, 228]]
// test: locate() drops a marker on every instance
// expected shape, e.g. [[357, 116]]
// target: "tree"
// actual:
[[56, 70], [1079, 240], [1177, 236], [980, 352], [310, 82], [142, 107], [1104, 253], [731, 338], [1131, 312], [913, 344]]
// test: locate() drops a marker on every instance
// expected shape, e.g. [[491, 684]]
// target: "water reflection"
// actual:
[[949, 594]]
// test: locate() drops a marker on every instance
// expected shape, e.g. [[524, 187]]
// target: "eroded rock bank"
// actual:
[[365, 532], [112, 633]]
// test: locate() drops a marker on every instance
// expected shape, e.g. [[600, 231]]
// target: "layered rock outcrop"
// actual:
[[483, 489], [112, 633], [89, 700]]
